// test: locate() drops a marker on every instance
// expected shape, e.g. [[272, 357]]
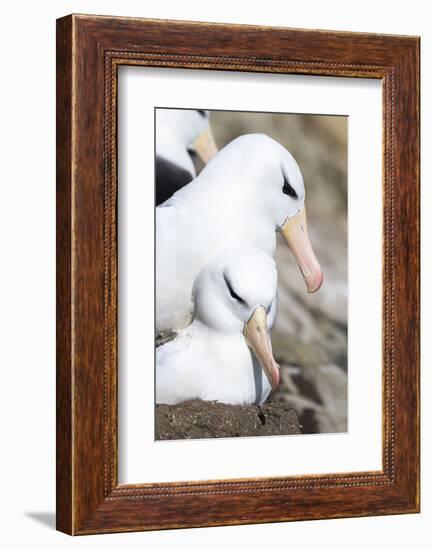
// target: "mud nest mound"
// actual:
[[203, 419]]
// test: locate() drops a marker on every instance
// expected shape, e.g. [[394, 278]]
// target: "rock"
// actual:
[[310, 329], [330, 384], [201, 419], [318, 395]]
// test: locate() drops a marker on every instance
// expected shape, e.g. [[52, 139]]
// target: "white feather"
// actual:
[[210, 359], [236, 200], [176, 132]]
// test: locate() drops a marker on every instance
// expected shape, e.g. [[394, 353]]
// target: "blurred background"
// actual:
[[310, 334]]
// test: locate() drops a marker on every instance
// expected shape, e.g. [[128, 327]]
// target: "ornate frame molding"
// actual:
[[90, 49]]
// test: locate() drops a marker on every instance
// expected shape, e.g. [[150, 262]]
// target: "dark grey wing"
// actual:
[[169, 178]]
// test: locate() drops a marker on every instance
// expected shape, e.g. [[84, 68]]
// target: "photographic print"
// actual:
[[228, 338], [251, 273]]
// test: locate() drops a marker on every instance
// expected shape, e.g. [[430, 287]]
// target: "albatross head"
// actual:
[[189, 127], [270, 185], [235, 293]]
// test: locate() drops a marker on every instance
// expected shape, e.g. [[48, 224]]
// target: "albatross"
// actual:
[[252, 188], [180, 133], [225, 354]]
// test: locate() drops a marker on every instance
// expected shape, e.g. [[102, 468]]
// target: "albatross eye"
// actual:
[[232, 292], [288, 189], [202, 113]]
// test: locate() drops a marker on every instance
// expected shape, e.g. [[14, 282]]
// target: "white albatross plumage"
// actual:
[[180, 133], [249, 190], [235, 300]]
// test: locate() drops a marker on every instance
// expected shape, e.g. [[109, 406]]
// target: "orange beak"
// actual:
[[205, 146], [296, 234], [257, 337]]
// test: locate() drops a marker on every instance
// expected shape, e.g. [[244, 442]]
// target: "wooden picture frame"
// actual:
[[89, 52]]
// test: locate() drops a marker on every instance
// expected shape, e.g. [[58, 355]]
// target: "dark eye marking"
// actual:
[[202, 113], [232, 292], [288, 189]]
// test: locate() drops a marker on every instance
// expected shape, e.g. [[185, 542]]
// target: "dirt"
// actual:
[[202, 419]]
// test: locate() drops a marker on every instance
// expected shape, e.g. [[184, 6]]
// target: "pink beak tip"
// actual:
[[275, 377], [314, 282]]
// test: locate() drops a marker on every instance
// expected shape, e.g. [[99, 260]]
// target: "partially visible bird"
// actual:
[[225, 354], [180, 134], [250, 190]]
